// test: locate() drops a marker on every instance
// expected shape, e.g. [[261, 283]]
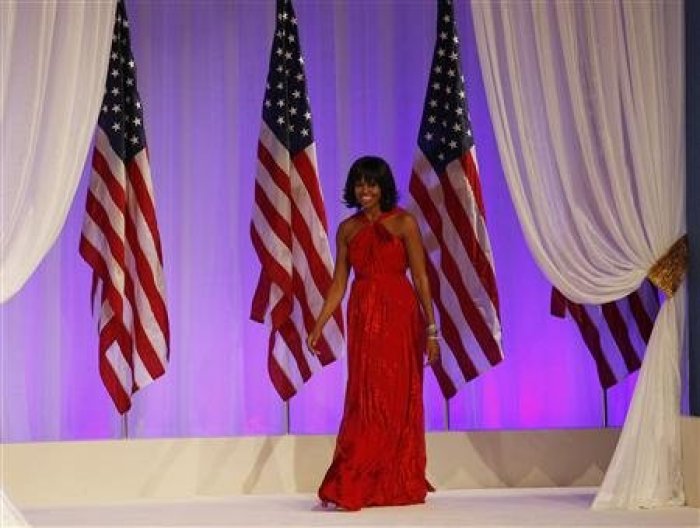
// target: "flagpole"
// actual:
[[286, 417], [447, 413], [605, 407], [125, 425]]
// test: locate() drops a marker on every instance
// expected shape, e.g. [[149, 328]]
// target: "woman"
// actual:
[[379, 458]]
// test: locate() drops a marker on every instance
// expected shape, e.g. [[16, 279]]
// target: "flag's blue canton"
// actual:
[[286, 108], [121, 117], [445, 131]]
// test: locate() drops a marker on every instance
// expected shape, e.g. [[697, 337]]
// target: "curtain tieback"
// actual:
[[668, 272]]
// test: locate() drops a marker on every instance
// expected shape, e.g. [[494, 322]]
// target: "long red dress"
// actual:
[[379, 457]]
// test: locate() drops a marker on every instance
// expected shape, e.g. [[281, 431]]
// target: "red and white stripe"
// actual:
[[616, 333], [290, 236], [120, 241], [450, 211]]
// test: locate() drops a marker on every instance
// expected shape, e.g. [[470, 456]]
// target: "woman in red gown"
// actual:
[[379, 457]]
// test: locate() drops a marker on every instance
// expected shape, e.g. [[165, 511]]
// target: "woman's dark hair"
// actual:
[[371, 169]]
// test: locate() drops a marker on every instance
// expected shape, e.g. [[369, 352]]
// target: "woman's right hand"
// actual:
[[312, 340]]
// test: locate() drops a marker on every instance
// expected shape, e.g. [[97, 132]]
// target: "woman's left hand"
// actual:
[[433, 351]]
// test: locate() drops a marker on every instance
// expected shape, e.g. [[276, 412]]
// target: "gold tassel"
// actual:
[[668, 272]]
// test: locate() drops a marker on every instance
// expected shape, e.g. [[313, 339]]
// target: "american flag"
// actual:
[[447, 193], [289, 228], [120, 239], [615, 333]]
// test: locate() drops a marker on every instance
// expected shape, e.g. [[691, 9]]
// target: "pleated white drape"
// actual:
[[9, 514], [201, 72], [54, 58], [587, 105]]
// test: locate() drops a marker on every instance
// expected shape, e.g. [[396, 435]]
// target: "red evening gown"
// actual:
[[379, 457]]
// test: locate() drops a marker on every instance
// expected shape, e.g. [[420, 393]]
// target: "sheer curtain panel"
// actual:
[[202, 68], [587, 105], [54, 59]]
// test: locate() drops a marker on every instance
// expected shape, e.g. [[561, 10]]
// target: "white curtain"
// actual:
[[54, 58], [201, 76], [587, 104], [9, 514]]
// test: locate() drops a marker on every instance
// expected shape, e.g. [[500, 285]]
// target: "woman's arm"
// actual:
[[336, 292], [416, 262]]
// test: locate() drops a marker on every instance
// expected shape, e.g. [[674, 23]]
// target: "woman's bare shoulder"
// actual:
[[405, 219], [348, 226], [348, 222]]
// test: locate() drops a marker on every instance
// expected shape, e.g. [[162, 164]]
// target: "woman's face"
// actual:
[[367, 194]]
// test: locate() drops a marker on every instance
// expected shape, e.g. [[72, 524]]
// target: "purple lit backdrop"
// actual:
[[202, 68]]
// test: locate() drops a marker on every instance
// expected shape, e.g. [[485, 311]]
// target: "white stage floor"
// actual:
[[551, 507]]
